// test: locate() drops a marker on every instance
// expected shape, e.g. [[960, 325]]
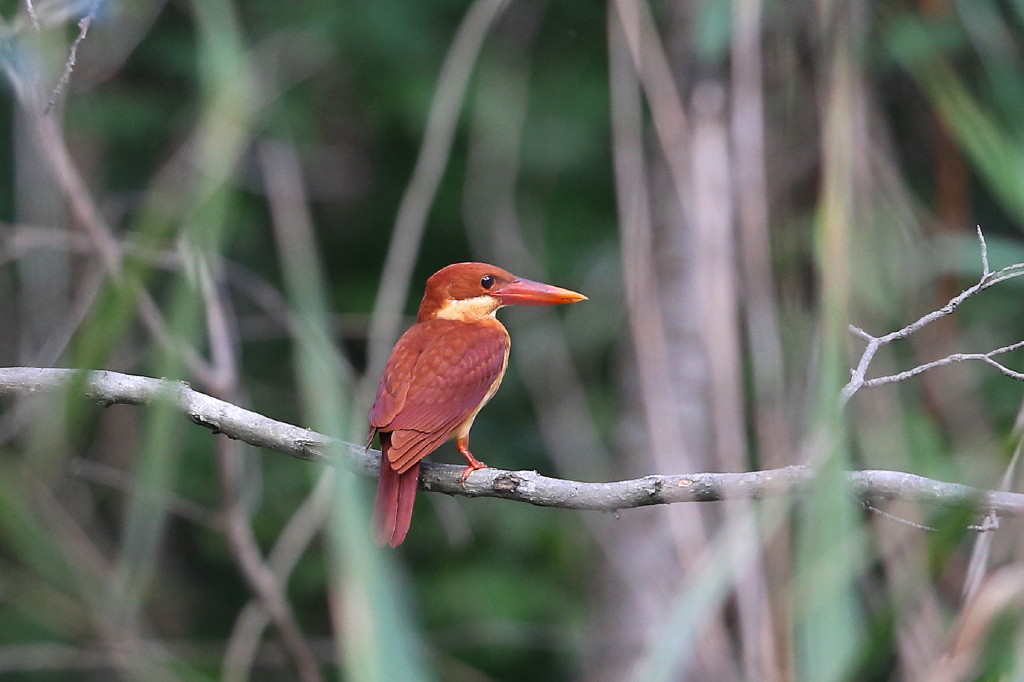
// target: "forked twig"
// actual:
[[988, 278]]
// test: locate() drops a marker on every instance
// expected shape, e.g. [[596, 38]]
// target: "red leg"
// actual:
[[462, 443]]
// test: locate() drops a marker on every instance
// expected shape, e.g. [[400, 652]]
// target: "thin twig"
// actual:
[[988, 524], [988, 278], [897, 519], [985, 270], [230, 463], [32, 16], [977, 568], [948, 360], [17, 240], [91, 569], [83, 30], [109, 388], [261, 579], [88, 215], [240, 654], [268, 589]]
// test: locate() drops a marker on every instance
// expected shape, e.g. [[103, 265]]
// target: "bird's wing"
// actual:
[[438, 374]]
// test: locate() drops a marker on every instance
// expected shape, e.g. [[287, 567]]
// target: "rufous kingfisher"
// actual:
[[441, 372]]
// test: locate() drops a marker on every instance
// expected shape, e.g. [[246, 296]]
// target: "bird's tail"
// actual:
[[396, 494]]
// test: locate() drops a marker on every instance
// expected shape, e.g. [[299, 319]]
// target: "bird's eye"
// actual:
[[487, 281]]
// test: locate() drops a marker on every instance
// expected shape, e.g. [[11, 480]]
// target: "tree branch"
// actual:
[[112, 388], [988, 278]]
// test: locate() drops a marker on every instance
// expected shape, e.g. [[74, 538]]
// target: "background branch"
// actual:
[[988, 278], [111, 388]]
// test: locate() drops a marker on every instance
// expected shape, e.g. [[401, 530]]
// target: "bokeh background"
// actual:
[[249, 195]]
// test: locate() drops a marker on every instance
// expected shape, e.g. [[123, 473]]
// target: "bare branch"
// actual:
[[988, 278], [110, 388], [83, 29], [87, 213], [950, 359], [292, 542], [857, 331], [269, 591], [113, 388]]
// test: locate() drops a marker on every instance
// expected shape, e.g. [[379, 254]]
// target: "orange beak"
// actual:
[[527, 292]]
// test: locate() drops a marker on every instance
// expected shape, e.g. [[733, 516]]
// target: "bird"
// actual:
[[440, 373]]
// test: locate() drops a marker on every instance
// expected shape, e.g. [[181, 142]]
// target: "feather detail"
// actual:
[[440, 374], [396, 495]]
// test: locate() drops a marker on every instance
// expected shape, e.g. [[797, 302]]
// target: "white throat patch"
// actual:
[[468, 309]]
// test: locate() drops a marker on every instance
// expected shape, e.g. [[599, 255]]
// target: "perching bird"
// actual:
[[441, 372]]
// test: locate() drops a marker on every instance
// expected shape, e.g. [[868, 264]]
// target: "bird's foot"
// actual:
[[473, 466], [472, 463]]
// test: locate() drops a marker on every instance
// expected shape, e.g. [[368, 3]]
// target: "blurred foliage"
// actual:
[[165, 116]]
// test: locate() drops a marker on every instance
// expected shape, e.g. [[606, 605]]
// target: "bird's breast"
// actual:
[[462, 429]]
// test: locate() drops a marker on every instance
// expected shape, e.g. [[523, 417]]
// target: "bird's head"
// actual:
[[473, 291]]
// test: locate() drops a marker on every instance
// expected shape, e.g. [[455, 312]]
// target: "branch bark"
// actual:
[[112, 388]]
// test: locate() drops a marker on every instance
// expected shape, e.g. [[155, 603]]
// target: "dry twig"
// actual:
[[988, 278], [30, 10], [83, 30]]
